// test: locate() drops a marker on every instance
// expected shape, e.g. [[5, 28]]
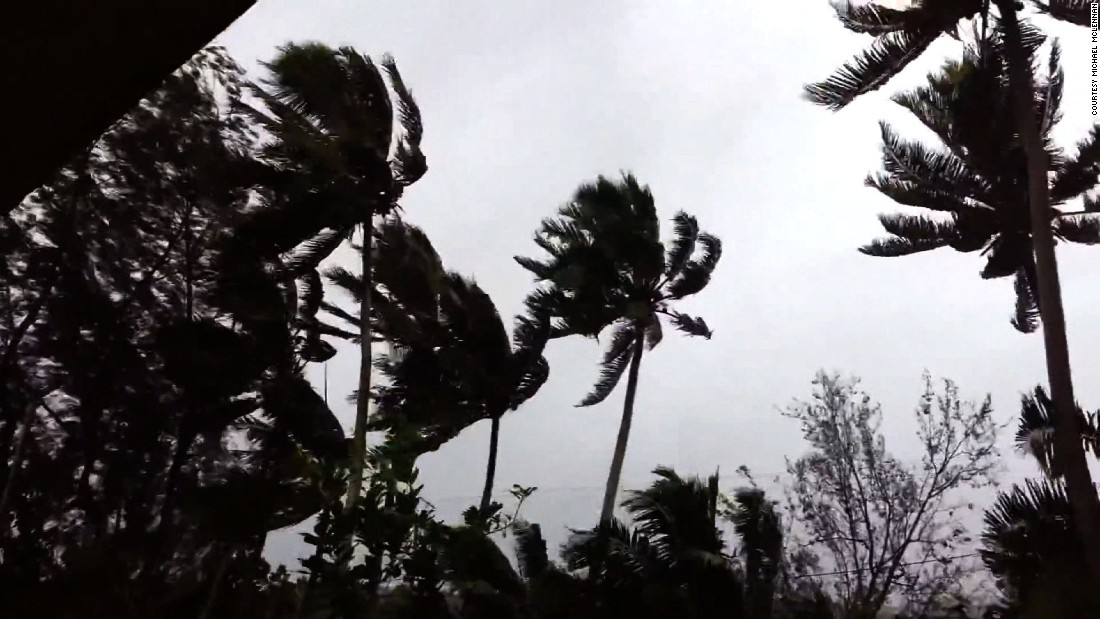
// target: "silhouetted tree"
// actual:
[[607, 268]]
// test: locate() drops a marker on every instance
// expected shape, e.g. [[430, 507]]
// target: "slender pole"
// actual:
[[1067, 431]]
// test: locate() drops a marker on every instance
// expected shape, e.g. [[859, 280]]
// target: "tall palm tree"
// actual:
[[451, 363], [975, 178], [901, 35], [607, 268], [336, 166]]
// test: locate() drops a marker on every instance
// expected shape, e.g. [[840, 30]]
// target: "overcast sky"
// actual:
[[523, 101]]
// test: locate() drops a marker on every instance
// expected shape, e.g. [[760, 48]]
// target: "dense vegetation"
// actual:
[[162, 297]]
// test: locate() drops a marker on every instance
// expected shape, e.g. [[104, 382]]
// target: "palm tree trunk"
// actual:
[[491, 468], [362, 404], [624, 431], [1067, 433]]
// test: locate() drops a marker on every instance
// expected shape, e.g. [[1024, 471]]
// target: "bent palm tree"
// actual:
[[451, 363], [901, 36], [336, 167], [608, 268]]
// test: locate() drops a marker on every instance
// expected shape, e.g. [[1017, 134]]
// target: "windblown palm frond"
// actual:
[[900, 37], [1035, 431], [1029, 544]]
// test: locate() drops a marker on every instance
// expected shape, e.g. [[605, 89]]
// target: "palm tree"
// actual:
[[757, 523], [451, 363], [1029, 546], [976, 176], [670, 560], [608, 268], [1028, 543], [901, 36], [336, 166]]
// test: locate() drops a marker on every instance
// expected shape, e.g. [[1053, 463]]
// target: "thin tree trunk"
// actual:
[[612, 489], [624, 431], [1067, 435], [362, 406], [491, 468]]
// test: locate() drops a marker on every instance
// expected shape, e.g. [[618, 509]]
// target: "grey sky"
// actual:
[[522, 101]]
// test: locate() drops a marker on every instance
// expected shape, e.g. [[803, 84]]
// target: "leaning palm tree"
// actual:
[[901, 35], [483, 375], [451, 363], [335, 166], [974, 179], [607, 268]]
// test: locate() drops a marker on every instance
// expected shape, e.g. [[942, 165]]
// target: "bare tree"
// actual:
[[885, 529]]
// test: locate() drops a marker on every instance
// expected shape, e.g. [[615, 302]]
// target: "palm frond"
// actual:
[[918, 227], [312, 292], [310, 253], [294, 405], [530, 548], [685, 231], [872, 18], [409, 162], [892, 247], [531, 379], [872, 68], [340, 313], [616, 359], [629, 558], [909, 193], [690, 325], [1084, 229], [1072, 11], [1035, 431], [1049, 90], [674, 514], [937, 171], [1080, 173], [697, 273], [653, 334], [1026, 318]]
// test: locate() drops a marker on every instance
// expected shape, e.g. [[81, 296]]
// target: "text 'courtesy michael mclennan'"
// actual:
[[1094, 9]]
